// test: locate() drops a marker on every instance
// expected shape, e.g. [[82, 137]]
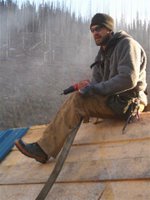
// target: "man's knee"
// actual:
[[76, 98]]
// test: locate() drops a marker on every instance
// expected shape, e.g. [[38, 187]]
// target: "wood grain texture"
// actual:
[[102, 164]]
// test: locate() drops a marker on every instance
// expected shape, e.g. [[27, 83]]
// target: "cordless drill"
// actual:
[[70, 89], [76, 87]]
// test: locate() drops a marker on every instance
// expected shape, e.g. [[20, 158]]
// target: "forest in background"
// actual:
[[42, 51]]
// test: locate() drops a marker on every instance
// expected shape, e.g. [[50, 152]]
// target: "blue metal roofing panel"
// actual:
[[7, 139]]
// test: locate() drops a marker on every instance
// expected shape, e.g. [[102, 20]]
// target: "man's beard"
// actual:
[[104, 41]]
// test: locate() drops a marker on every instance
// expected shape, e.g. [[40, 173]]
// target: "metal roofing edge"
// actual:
[[7, 139]]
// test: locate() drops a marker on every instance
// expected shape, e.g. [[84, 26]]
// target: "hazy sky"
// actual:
[[115, 8]]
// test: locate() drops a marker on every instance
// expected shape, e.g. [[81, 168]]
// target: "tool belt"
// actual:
[[123, 106]]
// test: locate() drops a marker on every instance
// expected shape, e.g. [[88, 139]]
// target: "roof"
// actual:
[[102, 164]]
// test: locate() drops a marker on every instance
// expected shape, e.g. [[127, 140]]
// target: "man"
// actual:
[[118, 82]]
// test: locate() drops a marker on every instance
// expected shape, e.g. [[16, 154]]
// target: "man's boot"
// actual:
[[32, 150]]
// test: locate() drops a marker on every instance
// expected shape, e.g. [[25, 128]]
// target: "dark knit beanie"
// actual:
[[103, 20]]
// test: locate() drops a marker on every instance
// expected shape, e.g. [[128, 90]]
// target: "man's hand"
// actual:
[[83, 84], [77, 87], [85, 88]]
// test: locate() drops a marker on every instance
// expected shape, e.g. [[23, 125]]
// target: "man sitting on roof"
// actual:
[[118, 83]]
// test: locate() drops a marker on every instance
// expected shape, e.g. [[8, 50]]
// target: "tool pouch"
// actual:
[[123, 106]]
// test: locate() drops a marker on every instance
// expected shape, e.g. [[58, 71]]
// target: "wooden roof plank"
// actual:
[[121, 190], [84, 163], [126, 190], [106, 151], [102, 162], [109, 130], [78, 191]]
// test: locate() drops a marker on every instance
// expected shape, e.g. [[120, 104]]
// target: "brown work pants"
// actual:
[[72, 111]]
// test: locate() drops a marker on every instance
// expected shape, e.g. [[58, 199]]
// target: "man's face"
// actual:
[[100, 34]]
